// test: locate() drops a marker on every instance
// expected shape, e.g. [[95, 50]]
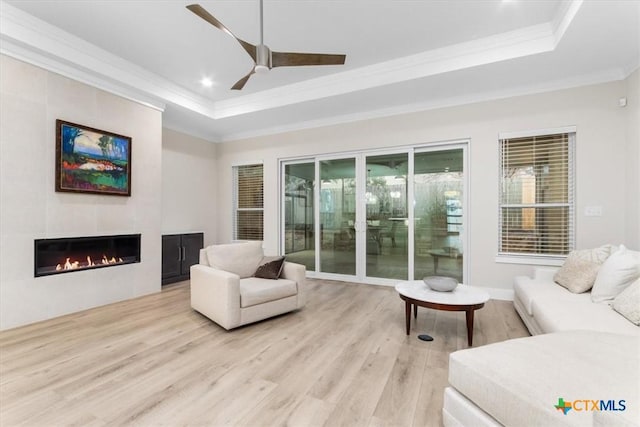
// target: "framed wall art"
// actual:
[[90, 160]]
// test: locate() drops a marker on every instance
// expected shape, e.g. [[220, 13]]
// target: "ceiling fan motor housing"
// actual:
[[263, 59]]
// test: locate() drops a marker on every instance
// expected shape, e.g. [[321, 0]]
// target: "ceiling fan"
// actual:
[[263, 57]]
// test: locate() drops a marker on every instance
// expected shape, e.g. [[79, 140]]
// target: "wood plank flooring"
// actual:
[[343, 360]]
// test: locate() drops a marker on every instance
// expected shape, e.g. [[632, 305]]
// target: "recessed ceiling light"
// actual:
[[206, 82]]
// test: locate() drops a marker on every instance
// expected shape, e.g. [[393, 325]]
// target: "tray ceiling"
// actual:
[[401, 55]]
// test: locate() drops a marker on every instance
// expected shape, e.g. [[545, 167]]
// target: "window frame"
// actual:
[[235, 200], [538, 258]]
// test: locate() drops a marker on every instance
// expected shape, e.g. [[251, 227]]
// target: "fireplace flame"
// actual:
[[72, 265], [111, 260]]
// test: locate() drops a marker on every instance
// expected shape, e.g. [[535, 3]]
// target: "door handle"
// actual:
[[184, 253], [179, 253]]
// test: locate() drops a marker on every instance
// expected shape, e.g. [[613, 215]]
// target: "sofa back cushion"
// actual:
[[627, 303], [619, 270], [238, 258]]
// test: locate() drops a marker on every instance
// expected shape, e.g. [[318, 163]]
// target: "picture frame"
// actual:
[[90, 160]]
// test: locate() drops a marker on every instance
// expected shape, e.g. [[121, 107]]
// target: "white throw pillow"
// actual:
[[619, 270], [238, 258], [580, 269], [627, 303]]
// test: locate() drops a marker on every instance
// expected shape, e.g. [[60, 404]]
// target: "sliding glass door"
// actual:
[[338, 216], [379, 216], [439, 207], [387, 217], [299, 213]]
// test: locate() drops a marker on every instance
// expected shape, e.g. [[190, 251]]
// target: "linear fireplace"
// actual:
[[55, 256]]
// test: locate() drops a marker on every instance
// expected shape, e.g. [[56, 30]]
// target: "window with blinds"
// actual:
[[248, 207], [537, 195]]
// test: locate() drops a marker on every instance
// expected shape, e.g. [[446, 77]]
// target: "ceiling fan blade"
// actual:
[[202, 13], [291, 59], [240, 83]]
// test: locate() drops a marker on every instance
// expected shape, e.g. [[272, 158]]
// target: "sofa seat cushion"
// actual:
[[526, 290], [554, 315], [522, 379], [254, 291]]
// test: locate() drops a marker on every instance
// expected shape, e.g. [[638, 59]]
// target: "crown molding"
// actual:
[[176, 127], [514, 44], [33, 40], [51, 64], [631, 67], [501, 47], [614, 74], [564, 17]]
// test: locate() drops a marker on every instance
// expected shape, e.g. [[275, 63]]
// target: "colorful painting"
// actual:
[[90, 160]]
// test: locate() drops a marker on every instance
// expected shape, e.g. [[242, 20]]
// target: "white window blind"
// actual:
[[537, 195], [248, 209]]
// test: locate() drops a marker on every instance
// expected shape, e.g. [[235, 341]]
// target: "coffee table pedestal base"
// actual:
[[468, 309]]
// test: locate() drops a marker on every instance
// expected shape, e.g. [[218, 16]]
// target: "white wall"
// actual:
[[189, 202], [632, 92], [31, 101], [601, 163]]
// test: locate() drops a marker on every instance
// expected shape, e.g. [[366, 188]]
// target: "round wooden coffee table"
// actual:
[[462, 298]]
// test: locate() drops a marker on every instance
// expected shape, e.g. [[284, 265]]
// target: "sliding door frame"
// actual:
[[360, 157]]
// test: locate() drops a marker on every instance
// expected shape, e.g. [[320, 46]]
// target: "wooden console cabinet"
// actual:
[[179, 253]]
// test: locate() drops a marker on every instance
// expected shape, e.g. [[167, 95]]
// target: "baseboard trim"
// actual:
[[494, 293], [500, 294]]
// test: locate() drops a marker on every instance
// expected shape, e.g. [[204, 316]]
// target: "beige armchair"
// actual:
[[223, 287]]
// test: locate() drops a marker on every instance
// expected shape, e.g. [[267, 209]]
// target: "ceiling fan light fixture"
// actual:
[[261, 69]]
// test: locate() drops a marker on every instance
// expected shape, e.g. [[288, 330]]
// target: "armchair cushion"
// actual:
[[238, 258], [254, 290]]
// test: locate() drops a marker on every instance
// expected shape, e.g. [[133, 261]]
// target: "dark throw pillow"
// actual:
[[270, 268]]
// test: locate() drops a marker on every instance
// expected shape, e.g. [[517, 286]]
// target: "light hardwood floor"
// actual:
[[342, 360]]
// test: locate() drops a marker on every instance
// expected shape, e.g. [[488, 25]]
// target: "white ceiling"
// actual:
[[401, 55]]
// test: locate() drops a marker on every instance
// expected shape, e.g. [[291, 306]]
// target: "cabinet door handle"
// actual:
[[184, 253], [179, 253]]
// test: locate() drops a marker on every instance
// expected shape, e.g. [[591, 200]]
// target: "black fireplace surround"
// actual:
[[55, 256]]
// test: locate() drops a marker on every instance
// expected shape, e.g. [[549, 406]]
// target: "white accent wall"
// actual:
[[632, 93], [189, 190], [601, 171], [31, 101]]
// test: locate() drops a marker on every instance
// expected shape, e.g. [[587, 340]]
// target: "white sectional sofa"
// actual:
[[581, 350], [547, 307], [518, 382]]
